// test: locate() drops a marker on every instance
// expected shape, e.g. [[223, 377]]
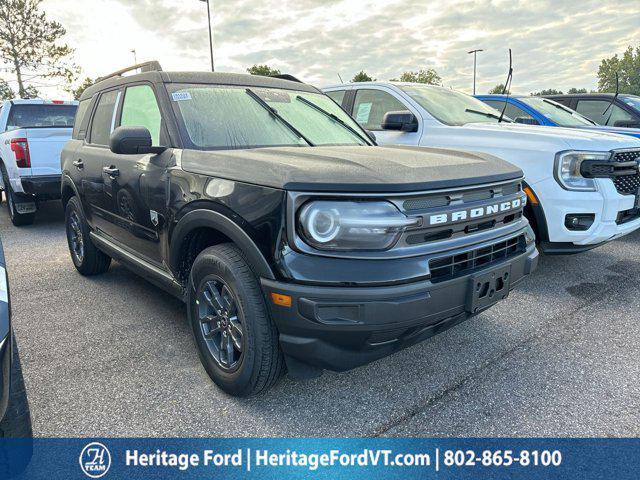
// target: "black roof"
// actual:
[[580, 95], [212, 78]]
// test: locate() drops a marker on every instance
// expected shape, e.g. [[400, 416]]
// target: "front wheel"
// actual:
[[236, 339]]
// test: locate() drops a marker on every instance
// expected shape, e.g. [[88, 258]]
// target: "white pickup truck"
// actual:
[[583, 186], [32, 134]]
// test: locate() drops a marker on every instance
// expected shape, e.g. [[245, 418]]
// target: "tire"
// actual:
[[259, 363], [17, 420], [16, 424], [18, 219], [86, 257]]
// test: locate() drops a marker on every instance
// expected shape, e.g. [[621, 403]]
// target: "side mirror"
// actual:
[[404, 121], [627, 124], [132, 141], [526, 121]]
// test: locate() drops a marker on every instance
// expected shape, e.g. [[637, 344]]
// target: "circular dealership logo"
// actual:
[[95, 460]]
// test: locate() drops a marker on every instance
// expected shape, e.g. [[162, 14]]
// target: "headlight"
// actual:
[[567, 169], [344, 225]]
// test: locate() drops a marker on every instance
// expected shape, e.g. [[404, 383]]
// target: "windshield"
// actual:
[[632, 101], [229, 117], [451, 107], [559, 114], [34, 115]]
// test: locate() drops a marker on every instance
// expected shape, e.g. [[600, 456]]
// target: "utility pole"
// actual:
[[135, 56], [210, 34], [475, 54]]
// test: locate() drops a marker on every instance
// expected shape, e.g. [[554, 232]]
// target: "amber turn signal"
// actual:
[[282, 300], [532, 198]]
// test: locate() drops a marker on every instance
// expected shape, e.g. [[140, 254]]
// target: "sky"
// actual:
[[556, 43]]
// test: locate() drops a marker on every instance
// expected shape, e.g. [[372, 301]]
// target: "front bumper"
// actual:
[[605, 204], [339, 328]]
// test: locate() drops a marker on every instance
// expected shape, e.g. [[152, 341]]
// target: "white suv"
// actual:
[[583, 187]]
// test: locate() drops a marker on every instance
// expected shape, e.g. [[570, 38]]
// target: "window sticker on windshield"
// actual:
[[364, 110], [180, 96]]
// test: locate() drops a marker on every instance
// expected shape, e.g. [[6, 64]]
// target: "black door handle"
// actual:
[[79, 164], [111, 171]]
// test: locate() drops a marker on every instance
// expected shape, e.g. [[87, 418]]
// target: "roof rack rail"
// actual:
[[286, 76], [152, 66]]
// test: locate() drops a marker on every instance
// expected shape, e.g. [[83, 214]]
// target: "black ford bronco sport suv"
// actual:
[[294, 240]]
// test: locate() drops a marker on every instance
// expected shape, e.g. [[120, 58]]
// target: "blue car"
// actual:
[[533, 110]]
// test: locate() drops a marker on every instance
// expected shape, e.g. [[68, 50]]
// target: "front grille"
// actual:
[[445, 268], [627, 184], [468, 196]]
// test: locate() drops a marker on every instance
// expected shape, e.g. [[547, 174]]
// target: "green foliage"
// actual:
[[429, 76], [6, 92], [548, 91], [77, 91], [30, 92], [361, 76], [499, 89], [577, 90], [263, 70], [628, 68], [28, 41]]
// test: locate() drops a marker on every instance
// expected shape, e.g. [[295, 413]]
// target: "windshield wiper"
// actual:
[[332, 116], [613, 101], [486, 114], [568, 110], [274, 113]]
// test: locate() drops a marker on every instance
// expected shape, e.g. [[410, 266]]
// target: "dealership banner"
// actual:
[[137, 458]]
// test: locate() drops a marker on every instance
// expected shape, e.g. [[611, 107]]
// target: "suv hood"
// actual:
[[552, 138], [352, 168]]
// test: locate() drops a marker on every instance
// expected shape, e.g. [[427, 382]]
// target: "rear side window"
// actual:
[[104, 118], [33, 116], [80, 117], [512, 111], [140, 109], [337, 96]]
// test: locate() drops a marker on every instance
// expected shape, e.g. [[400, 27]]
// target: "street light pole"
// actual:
[[475, 53], [210, 34]]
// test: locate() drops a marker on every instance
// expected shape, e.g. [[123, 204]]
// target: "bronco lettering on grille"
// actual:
[[475, 213]]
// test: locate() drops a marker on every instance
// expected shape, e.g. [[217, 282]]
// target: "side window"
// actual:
[[83, 106], [595, 110], [140, 109], [337, 96], [104, 118], [371, 105]]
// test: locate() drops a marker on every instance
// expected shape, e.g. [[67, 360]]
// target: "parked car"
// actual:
[[15, 419], [625, 112], [32, 134], [534, 110], [582, 185], [291, 237]]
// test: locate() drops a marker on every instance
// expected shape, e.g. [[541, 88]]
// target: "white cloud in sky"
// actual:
[[556, 43]]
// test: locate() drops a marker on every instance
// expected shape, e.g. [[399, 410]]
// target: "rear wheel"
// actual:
[[236, 339], [86, 257], [18, 219]]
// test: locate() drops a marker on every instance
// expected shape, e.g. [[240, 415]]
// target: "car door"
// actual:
[[134, 183], [369, 108], [90, 157]]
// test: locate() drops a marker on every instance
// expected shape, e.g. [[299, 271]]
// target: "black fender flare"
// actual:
[[66, 181], [536, 216], [217, 221]]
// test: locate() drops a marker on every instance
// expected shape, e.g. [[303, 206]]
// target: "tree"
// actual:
[[264, 70], [28, 41], [498, 89], [628, 69], [361, 76], [577, 90], [429, 76], [548, 91], [6, 92], [77, 92]]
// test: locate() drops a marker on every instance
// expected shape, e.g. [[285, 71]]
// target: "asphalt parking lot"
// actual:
[[113, 356]]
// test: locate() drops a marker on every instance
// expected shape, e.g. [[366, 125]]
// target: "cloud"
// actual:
[[555, 44]]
